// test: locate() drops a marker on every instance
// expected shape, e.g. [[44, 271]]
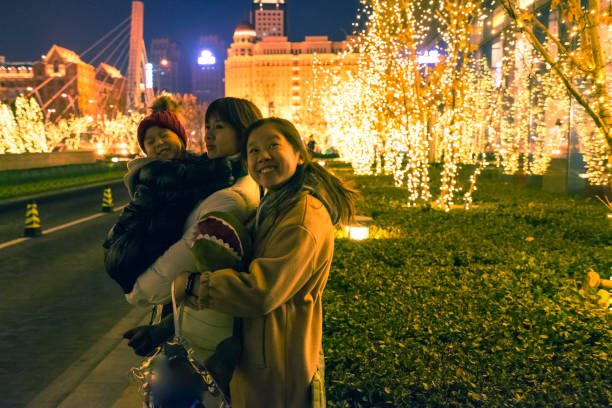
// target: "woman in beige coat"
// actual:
[[279, 297]]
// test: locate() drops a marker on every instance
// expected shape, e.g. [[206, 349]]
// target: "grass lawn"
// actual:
[[473, 308], [16, 183]]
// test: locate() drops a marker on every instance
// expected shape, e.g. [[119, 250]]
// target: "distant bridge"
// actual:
[[115, 51]]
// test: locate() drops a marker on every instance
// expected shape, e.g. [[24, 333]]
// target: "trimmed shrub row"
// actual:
[[14, 183], [55, 172], [473, 308]]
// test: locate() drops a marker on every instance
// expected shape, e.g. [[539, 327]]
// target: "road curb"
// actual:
[[16, 202], [100, 375]]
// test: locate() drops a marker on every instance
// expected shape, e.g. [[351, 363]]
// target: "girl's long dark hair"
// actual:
[[335, 194], [239, 113]]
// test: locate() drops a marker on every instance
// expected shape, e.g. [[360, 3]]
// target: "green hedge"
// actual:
[[459, 309]]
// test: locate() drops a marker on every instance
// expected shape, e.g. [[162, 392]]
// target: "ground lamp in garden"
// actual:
[[359, 229]]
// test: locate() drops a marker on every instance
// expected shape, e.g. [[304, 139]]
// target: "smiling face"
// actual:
[[221, 138], [270, 157], [162, 144]]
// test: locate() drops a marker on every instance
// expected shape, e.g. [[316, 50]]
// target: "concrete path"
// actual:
[[100, 378]]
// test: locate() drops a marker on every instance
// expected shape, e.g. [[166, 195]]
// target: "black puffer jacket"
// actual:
[[163, 195]]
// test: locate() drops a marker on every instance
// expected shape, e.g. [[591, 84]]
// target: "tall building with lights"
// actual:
[[207, 70], [269, 18], [275, 73], [165, 56]]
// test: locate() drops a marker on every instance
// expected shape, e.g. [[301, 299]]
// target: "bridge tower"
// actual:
[[138, 96]]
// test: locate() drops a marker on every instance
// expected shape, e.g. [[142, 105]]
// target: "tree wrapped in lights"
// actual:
[[346, 112], [594, 148], [533, 101], [397, 97], [66, 134], [310, 117], [192, 114], [455, 18], [403, 111], [577, 57], [549, 106], [29, 125], [119, 131], [480, 93], [8, 139]]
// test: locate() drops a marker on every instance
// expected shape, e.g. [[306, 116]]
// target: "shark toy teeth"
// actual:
[[216, 229], [219, 241]]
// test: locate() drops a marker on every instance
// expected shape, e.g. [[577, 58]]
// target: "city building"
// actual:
[[63, 84], [208, 72], [166, 57], [110, 90], [275, 73], [269, 18]]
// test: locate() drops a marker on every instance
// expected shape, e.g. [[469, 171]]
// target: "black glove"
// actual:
[[144, 339]]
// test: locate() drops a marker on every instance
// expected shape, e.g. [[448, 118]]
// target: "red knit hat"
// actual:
[[164, 119]]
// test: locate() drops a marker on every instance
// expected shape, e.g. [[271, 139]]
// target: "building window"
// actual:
[[56, 66]]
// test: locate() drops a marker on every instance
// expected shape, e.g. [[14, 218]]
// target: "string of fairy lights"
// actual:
[[394, 115], [580, 57], [388, 113], [25, 130]]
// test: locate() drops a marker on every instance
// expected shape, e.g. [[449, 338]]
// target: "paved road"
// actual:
[[56, 299], [58, 211]]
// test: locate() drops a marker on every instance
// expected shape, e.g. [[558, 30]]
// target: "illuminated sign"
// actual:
[[149, 75], [429, 57], [206, 58]]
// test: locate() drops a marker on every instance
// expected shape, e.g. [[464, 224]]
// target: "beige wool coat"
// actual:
[[279, 299]]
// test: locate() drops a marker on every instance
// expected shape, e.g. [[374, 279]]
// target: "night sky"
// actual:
[[29, 28]]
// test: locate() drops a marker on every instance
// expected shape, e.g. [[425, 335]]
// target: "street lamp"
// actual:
[[49, 112]]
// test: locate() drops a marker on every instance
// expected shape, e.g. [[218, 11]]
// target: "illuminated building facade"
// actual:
[[269, 18], [63, 84], [208, 73], [275, 73], [111, 90], [165, 56]]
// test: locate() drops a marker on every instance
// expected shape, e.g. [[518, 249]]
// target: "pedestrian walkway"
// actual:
[[100, 377]]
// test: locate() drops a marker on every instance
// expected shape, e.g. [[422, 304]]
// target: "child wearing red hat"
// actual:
[[164, 187], [161, 135]]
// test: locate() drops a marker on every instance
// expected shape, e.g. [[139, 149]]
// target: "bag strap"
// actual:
[[177, 312]]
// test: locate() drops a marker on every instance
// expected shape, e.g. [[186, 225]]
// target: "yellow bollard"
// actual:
[[32, 221], [107, 200]]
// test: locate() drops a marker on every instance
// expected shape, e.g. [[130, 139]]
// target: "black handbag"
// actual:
[[172, 378]]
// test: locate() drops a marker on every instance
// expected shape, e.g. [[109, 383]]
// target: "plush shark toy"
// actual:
[[220, 241]]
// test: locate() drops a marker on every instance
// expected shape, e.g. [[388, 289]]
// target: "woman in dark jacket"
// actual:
[[164, 187]]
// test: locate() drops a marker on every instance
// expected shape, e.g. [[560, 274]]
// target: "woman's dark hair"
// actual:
[[238, 112], [333, 192]]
